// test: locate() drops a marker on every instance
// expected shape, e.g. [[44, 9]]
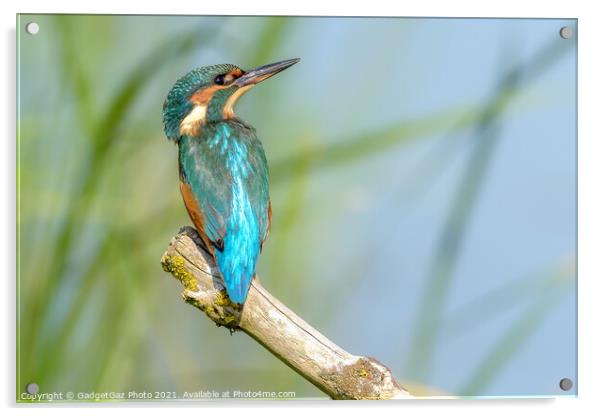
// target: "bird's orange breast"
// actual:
[[195, 213]]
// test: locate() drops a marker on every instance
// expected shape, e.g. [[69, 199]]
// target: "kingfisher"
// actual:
[[222, 167]]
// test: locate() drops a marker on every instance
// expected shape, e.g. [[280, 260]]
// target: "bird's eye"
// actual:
[[219, 80]]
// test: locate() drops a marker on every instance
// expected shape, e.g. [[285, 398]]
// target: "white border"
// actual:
[[590, 207]]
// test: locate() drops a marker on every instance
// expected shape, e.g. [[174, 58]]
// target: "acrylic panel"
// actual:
[[422, 176]]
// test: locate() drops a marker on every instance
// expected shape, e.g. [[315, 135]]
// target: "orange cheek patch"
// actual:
[[203, 96], [236, 72], [233, 75]]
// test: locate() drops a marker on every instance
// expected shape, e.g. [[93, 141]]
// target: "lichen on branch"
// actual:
[[333, 370]]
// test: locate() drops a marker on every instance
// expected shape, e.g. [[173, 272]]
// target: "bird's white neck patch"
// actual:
[[191, 123]]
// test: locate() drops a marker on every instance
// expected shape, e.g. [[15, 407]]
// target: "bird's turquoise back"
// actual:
[[227, 171]]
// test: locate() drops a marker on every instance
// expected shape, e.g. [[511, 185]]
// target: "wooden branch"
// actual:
[[333, 370]]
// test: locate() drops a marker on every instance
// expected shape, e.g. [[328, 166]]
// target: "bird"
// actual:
[[223, 170]]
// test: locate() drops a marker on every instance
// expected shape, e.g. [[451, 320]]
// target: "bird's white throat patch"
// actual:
[[191, 123], [228, 111]]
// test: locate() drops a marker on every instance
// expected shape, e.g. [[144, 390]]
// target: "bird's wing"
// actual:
[[225, 189], [256, 184], [205, 189]]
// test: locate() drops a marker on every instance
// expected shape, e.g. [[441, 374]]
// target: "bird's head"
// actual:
[[209, 94]]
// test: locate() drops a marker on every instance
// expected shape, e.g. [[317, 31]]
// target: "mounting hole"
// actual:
[[32, 388], [566, 32], [32, 28], [566, 384]]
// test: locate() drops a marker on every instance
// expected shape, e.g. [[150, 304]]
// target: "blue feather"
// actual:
[[228, 173], [241, 245]]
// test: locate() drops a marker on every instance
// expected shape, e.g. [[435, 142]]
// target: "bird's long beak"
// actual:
[[255, 76]]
